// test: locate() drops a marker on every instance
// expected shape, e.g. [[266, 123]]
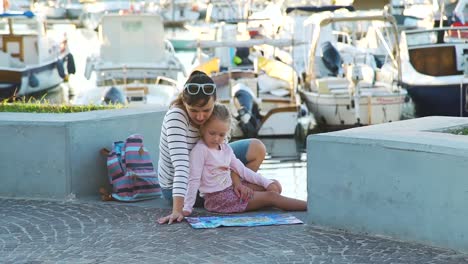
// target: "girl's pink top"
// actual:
[[210, 171]]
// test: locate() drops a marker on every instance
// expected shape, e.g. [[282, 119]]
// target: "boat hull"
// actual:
[[339, 112], [440, 100], [19, 81]]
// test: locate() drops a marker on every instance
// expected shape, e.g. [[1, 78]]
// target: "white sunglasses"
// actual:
[[206, 88]]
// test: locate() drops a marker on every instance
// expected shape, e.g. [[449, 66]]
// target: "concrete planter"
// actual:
[[403, 179], [57, 155]]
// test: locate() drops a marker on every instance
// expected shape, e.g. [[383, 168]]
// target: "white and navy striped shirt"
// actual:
[[178, 137]]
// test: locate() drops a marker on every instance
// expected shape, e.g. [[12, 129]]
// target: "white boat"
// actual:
[[52, 9], [93, 10], [353, 72], [422, 14], [178, 11], [220, 10], [30, 61], [18, 5], [74, 8], [411, 14], [435, 70], [293, 27], [135, 59], [269, 84]]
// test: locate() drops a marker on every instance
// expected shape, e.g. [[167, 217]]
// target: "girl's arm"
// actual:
[[197, 161]]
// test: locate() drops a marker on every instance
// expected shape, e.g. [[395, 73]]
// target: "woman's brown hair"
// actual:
[[199, 99]]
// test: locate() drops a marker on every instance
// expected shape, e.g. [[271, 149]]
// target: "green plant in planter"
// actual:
[[43, 106], [461, 131]]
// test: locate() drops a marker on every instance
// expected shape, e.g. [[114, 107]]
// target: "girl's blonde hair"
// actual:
[[221, 113]]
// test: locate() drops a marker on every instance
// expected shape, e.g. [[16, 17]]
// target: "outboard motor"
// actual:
[[331, 58], [248, 114], [114, 96]]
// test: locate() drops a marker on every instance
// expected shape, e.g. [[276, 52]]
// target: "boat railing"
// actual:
[[169, 47], [439, 35]]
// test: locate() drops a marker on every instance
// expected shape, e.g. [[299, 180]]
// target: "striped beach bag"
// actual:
[[131, 171]]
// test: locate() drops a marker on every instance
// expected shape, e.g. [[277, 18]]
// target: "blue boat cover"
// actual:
[[28, 14], [316, 9]]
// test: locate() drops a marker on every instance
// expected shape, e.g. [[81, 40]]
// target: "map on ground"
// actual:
[[242, 220]]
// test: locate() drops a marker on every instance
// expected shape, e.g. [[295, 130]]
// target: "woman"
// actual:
[[179, 134]]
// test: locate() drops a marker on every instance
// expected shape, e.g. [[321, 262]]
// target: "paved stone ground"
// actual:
[[33, 231]]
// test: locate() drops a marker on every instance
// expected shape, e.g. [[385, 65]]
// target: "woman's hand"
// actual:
[[243, 192], [175, 216]]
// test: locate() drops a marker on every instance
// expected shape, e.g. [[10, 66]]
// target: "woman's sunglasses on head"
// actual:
[[194, 88]]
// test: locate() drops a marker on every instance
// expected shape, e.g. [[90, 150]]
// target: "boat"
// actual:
[[74, 9], [411, 14], [30, 60], [222, 11], [93, 11], [273, 107], [176, 12], [52, 9], [17, 5], [353, 72], [435, 70], [135, 60], [293, 27]]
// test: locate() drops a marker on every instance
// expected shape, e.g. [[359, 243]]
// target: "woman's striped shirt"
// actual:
[[178, 137]]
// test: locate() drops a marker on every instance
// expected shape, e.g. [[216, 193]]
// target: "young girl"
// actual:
[[211, 162]]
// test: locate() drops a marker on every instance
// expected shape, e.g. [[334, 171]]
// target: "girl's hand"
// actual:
[[174, 217], [243, 192]]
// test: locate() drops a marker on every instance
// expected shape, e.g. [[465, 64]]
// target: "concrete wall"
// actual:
[[57, 155], [399, 179]]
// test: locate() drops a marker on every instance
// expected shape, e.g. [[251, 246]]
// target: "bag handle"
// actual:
[[104, 152], [105, 195]]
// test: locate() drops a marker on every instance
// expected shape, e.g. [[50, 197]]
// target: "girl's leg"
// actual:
[[273, 199]]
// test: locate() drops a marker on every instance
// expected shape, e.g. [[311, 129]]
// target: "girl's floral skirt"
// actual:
[[225, 201]]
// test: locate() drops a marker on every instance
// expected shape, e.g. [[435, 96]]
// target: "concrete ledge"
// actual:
[[57, 156], [403, 179]]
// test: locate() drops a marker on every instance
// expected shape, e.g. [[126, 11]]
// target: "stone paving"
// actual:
[[35, 231]]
